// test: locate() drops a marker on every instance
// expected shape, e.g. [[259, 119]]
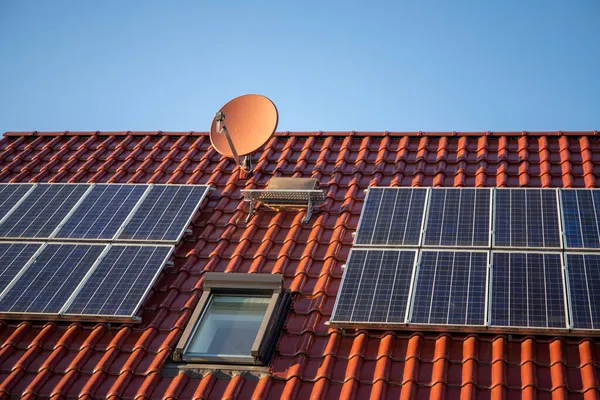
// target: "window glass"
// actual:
[[229, 326]]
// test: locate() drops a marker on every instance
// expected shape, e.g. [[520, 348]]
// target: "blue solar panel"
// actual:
[[50, 279], [375, 287], [526, 218], [40, 213], [581, 218], [450, 288], [165, 213], [392, 216], [120, 281], [102, 212], [458, 218], [10, 194], [527, 290], [583, 272], [13, 257]]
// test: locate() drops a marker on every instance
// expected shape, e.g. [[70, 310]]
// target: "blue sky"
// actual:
[[397, 65]]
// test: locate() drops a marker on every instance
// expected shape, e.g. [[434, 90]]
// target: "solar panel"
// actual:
[[527, 290], [581, 218], [450, 288], [40, 213], [164, 213], [102, 212], [392, 216], [13, 257], [375, 287], [120, 282], [583, 275], [526, 218], [48, 282], [10, 194], [458, 218]]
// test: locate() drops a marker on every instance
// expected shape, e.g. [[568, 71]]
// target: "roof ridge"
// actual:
[[312, 133]]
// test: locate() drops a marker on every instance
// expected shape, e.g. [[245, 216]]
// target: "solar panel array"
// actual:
[[82, 279], [477, 258], [116, 212], [98, 247]]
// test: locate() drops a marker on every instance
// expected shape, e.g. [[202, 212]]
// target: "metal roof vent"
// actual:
[[286, 193]]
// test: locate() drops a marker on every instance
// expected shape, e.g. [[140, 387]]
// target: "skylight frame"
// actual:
[[267, 285]]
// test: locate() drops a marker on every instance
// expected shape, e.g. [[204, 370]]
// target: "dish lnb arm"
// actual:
[[222, 129]]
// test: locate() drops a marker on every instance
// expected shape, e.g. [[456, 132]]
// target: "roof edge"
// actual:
[[310, 133]]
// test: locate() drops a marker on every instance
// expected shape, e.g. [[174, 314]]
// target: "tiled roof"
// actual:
[[312, 360]]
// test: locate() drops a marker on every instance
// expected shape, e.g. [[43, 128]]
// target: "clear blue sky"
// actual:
[[396, 65]]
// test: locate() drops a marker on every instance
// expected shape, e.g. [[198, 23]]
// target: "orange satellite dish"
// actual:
[[242, 126]]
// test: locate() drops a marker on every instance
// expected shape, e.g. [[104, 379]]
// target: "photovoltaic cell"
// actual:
[[51, 279], [40, 213], [581, 218], [458, 218], [10, 194], [102, 212], [164, 213], [450, 288], [527, 290], [392, 216], [526, 218], [583, 271], [120, 281], [13, 257], [375, 286]]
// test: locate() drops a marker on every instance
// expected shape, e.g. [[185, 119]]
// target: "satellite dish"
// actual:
[[242, 126]]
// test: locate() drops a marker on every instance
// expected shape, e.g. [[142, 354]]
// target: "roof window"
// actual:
[[236, 321]]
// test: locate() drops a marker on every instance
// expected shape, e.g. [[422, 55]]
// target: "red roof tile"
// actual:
[[61, 359]]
